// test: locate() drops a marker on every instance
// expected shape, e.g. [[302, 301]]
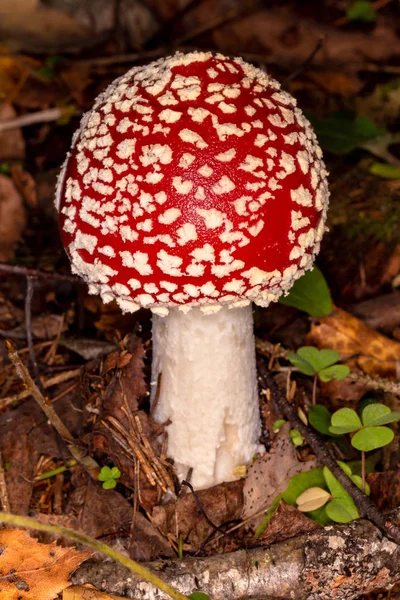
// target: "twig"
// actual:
[[201, 508], [376, 383], [87, 462], [29, 337], [4, 500], [42, 116], [306, 63], [15, 270], [60, 378], [81, 538], [363, 503], [268, 349]]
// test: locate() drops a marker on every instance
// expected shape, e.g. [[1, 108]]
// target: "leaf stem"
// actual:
[[363, 470], [81, 538], [314, 390]]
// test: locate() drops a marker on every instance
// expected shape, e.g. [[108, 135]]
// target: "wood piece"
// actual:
[[335, 562]]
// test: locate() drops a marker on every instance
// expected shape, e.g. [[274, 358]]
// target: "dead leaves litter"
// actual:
[[269, 474], [34, 571]]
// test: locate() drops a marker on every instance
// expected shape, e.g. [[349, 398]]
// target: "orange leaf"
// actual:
[[34, 571], [374, 353], [87, 592], [361, 347]]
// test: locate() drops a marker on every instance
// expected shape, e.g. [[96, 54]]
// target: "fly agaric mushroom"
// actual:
[[194, 187]]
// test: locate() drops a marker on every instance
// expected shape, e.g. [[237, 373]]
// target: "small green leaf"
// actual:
[[343, 131], [301, 363], [278, 424], [345, 420], [296, 437], [357, 480], [320, 418], [342, 510], [345, 467], [198, 596], [361, 10], [372, 438], [378, 414], [385, 171], [337, 372], [115, 473], [366, 402], [5, 168], [105, 474], [335, 488], [311, 294], [109, 484]]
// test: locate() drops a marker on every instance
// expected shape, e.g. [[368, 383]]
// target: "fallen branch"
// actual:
[[42, 116], [87, 462], [343, 562], [365, 506], [376, 383]]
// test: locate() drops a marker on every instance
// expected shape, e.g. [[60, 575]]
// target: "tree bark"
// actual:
[[340, 562]]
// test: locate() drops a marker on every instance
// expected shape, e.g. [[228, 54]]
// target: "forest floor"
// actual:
[[341, 60]]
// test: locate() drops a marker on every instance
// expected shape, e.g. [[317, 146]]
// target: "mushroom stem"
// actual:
[[208, 391]]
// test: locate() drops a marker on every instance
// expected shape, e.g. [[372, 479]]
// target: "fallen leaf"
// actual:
[[107, 514], [385, 489], [269, 474], [88, 348], [31, 25], [359, 345], [34, 571], [184, 517], [12, 143], [44, 327], [21, 457], [285, 39], [87, 592], [287, 522], [336, 82], [12, 218], [25, 184]]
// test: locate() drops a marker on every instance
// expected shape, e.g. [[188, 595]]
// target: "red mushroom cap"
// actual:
[[193, 181]]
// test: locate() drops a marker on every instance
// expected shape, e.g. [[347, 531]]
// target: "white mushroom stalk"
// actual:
[[196, 185], [208, 390]]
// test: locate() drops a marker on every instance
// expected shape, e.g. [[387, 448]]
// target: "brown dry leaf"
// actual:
[[31, 25], [183, 516], [12, 218], [286, 522], [25, 184], [108, 515], [361, 346], [87, 592], [44, 327], [385, 489], [12, 143], [34, 571], [285, 39], [336, 82], [269, 475]]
